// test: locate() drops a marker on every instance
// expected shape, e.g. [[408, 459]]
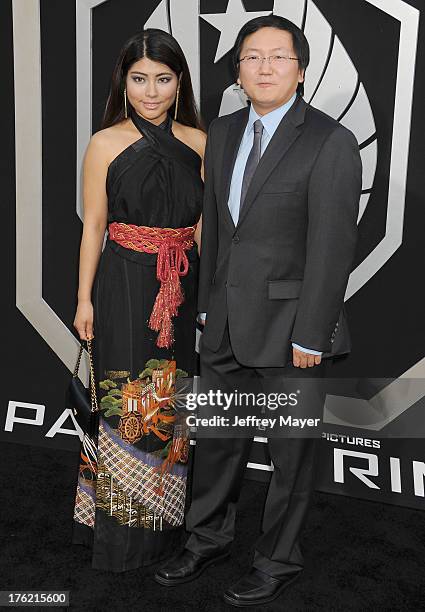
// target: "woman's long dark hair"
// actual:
[[158, 46]]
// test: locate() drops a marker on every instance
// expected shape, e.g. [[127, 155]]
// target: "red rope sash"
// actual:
[[171, 245]]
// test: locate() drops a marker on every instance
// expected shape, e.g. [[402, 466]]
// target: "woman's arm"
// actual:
[[94, 226], [198, 234]]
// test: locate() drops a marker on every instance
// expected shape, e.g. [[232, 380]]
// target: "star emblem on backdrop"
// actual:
[[229, 24]]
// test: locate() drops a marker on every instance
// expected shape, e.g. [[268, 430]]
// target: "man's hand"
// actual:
[[304, 360]]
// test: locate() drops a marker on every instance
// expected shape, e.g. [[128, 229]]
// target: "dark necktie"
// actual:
[[252, 161]]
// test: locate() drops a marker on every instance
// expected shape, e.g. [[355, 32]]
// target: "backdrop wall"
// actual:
[[367, 71]]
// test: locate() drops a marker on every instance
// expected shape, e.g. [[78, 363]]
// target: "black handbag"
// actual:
[[83, 401]]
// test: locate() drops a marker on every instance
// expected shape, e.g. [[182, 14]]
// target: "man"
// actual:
[[282, 188]]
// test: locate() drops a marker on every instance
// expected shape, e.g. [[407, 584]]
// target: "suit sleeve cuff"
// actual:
[[306, 350]]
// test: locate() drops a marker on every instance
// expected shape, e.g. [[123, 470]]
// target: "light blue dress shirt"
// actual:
[[270, 123]]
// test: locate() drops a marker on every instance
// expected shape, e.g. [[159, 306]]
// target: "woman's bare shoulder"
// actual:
[[110, 135], [108, 142]]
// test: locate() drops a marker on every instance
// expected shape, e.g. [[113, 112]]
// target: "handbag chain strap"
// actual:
[[93, 394], [77, 365]]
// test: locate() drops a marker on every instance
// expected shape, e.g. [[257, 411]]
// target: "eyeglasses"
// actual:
[[256, 60]]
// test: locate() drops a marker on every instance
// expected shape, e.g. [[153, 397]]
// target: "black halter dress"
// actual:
[[130, 505]]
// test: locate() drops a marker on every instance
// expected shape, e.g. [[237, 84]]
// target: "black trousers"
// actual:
[[218, 471]]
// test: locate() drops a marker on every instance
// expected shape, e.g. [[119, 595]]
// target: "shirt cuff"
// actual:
[[202, 317], [306, 350]]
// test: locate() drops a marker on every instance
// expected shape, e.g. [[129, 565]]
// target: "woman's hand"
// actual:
[[83, 321]]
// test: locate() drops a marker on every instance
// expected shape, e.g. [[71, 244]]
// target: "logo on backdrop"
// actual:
[[332, 85]]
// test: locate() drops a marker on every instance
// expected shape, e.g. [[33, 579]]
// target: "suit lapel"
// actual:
[[231, 148], [284, 137]]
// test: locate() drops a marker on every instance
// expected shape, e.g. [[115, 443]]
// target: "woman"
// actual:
[[142, 177]]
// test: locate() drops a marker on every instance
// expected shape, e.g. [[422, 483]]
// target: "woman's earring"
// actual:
[[125, 103], [177, 98]]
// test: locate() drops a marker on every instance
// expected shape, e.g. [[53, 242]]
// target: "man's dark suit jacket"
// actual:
[[280, 275]]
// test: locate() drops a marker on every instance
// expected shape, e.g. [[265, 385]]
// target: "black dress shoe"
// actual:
[[256, 588], [186, 566]]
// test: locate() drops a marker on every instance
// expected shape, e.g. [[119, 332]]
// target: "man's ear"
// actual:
[[301, 75]]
